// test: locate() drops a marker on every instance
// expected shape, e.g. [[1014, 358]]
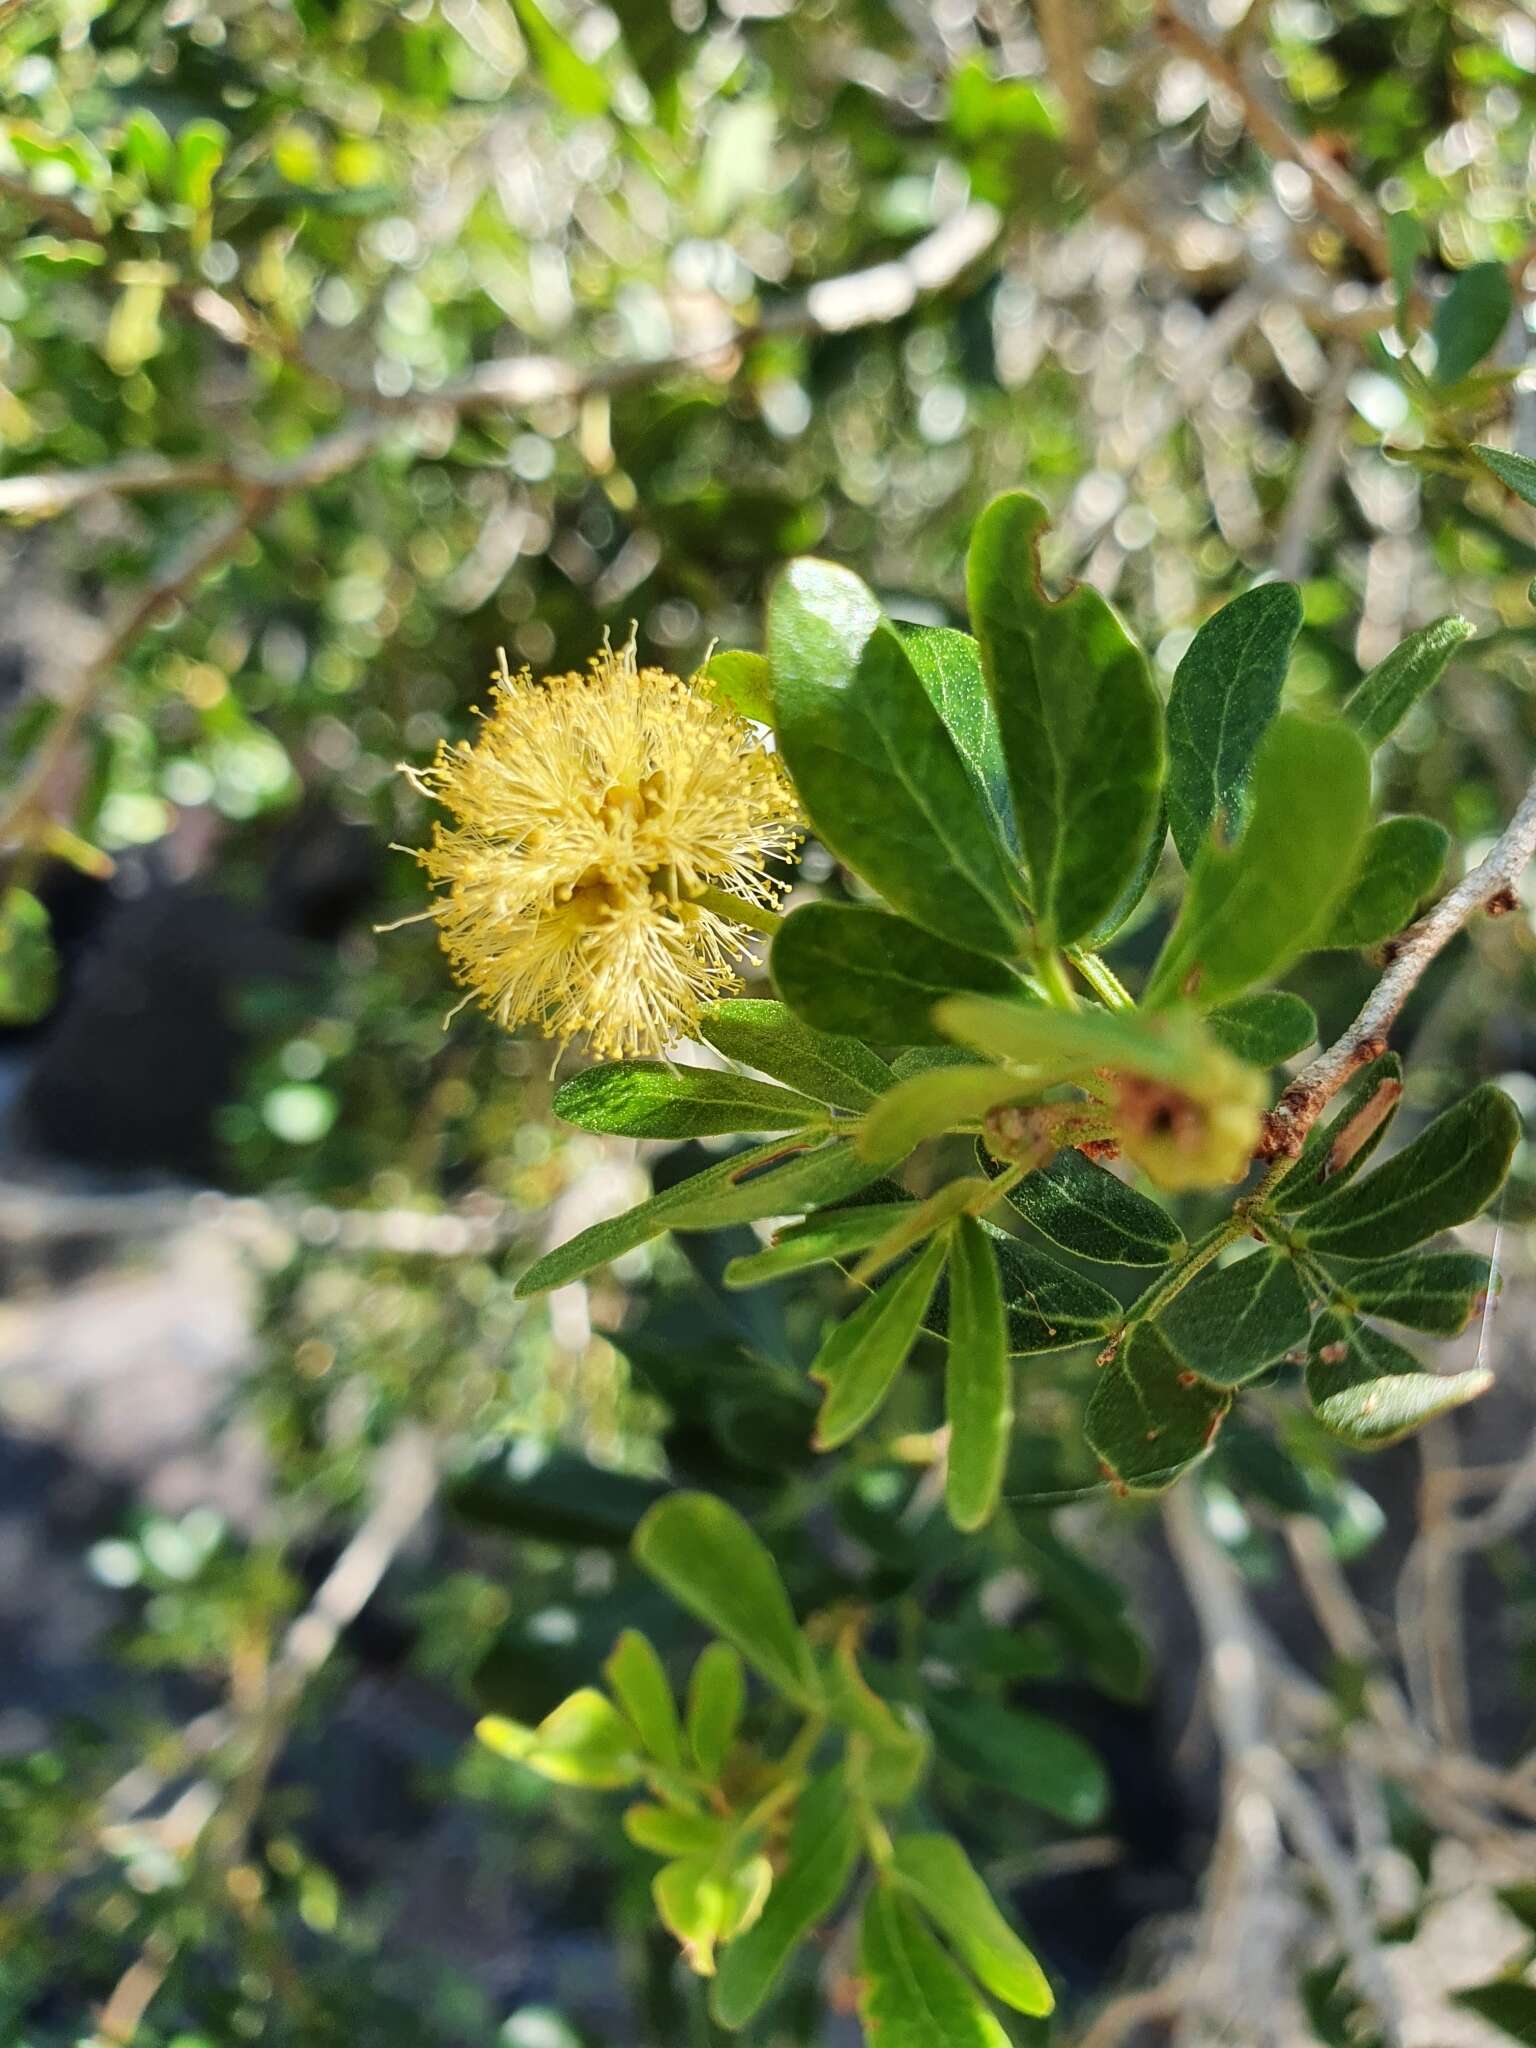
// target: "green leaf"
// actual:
[[936, 1872], [978, 1392], [1024, 1753], [1454, 1166], [839, 1071], [832, 1234], [1406, 243], [1086, 1209], [650, 1099], [1469, 320], [852, 968], [881, 779], [1119, 912], [890, 1755], [717, 1698], [669, 1831], [1232, 1321], [1263, 1029], [1149, 1418], [1080, 722], [1251, 909], [1360, 1123], [859, 1361], [1382, 699], [583, 1742], [563, 1499], [937, 1101], [1087, 1608], [707, 1558], [741, 682], [579, 86], [29, 968], [1518, 472], [823, 1848], [1506, 2003], [701, 1903], [1225, 693], [949, 664], [1049, 1307], [1401, 860], [1368, 1390], [742, 1189], [910, 1994], [633, 1671], [1436, 1292]]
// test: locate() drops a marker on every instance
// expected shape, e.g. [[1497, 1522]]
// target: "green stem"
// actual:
[[1102, 979], [739, 910], [1054, 979], [1195, 1260]]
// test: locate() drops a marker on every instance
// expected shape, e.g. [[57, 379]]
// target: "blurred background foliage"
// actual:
[[342, 342]]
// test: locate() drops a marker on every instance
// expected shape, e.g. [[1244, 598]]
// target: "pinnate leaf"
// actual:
[[1232, 1321]]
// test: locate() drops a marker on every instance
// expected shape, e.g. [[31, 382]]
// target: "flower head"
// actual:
[[599, 821]]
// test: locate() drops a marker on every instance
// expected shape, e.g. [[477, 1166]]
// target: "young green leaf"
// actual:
[[1149, 1417], [978, 1395], [852, 968], [741, 682], [1232, 1321], [936, 1872], [839, 1071], [833, 1234], [583, 1742], [1079, 718], [640, 1686], [1225, 693], [717, 1698], [910, 1994], [859, 1361], [707, 1558], [1062, 1044], [670, 1831], [650, 1099], [1034, 1758], [1384, 697], [1454, 1166], [1263, 1029], [936, 1101], [823, 1848], [742, 1189], [892, 1754], [1252, 908], [1401, 860], [883, 782], [1336, 1151], [1436, 1292], [1470, 319], [1368, 1390], [702, 1904], [1086, 1209], [949, 664]]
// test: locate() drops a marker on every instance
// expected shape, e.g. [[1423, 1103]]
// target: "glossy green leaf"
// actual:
[[1034, 1758], [823, 1849], [1232, 1321], [910, 1994], [1365, 1110], [707, 1558], [1049, 1307], [584, 1741], [1265, 1028], [742, 1189], [1225, 693], [1454, 1166], [1368, 1390], [836, 1234], [651, 1099], [1518, 472], [859, 1361], [770, 1037], [940, 1100], [1086, 1209], [949, 664], [1119, 912], [1401, 860], [978, 1392], [882, 781], [639, 1684], [717, 1698], [851, 968], [1436, 1292], [741, 682], [936, 1872], [1080, 722], [1149, 1416], [1250, 909], [1387, 693], [1470, 319]]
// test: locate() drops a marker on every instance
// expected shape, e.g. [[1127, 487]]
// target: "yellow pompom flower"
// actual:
[[605, 828]]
